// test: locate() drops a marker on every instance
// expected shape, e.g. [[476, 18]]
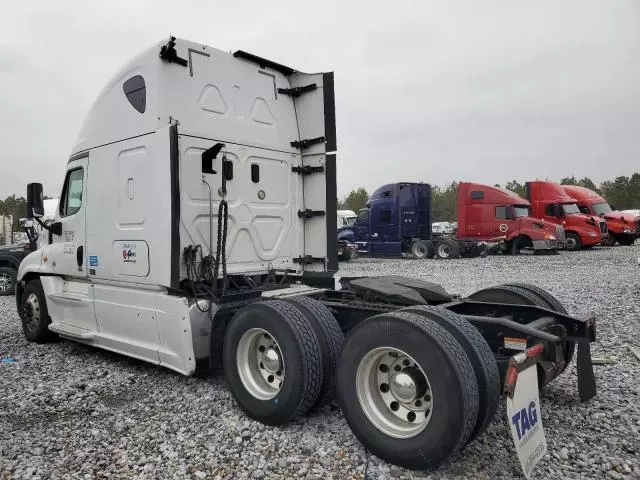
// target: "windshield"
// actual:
[[521, 211], [569, 208], [601, 208]]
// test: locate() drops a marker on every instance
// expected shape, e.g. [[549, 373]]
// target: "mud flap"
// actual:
[[586, 378]]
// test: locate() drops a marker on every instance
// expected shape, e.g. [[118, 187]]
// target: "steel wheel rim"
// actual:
[[421, 251], [31, 312], [394, 392], [571, 243], [443, 250], [260, 364], [5, 282]]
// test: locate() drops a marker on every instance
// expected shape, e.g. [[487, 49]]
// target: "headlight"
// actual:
[[548, 236], [626, 230], [592, 234]]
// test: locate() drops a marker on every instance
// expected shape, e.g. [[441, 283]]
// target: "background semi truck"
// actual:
[[397, 221], [623, 228], [550, 202], [176, 243], [485, 212]]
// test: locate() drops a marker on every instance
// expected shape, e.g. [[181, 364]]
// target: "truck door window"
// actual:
[[72, 193], [501, 213], [363, 216], [385, 216], [552, 210]]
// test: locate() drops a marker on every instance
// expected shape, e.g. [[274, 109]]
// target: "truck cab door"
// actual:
[[69, 295], [361, 227], [67, 252]]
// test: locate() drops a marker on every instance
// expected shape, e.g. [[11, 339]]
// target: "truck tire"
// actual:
[[572, 242], [610, 240], [625, 240], [8, 277], [34, 313], [407, 389], [519, 295], [272, 361], [553, 304], [480, 355], [330, 338], [518, 243], [447, 248], [421, 249]]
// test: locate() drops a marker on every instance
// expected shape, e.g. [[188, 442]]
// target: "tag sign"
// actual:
[[525, 421]]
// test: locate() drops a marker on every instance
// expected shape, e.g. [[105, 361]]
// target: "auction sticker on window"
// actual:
[[525, 421]]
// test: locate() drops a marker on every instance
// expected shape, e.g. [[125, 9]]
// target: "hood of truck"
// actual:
[[622, 217]]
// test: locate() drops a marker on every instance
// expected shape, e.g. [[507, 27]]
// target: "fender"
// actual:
[[9, 261], [32, 263], [346, 233]]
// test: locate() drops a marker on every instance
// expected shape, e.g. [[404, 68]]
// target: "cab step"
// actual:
[[71, 331]]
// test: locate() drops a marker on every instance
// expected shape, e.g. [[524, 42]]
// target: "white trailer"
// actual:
[[197, 224]]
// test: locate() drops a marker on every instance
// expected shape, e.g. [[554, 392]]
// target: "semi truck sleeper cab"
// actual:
[[197, 227], [550, 202], [623, 228]]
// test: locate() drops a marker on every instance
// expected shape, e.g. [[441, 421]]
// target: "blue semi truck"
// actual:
[[397, 222]]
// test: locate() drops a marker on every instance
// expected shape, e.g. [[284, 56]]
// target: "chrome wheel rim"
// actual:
[[31, 312], [443, 250], [5, 282], [570, 243], [421, 251], [394, 392], [260, 364]]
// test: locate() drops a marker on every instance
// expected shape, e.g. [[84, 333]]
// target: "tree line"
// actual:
[[622, 193]]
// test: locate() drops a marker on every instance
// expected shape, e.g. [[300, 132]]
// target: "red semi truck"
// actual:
[[623, 228], [550, 202], [485, 212]]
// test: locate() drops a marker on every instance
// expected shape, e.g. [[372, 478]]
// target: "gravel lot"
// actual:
[[67, 410]]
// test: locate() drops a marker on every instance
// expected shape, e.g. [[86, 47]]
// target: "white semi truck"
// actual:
[[196, 224]]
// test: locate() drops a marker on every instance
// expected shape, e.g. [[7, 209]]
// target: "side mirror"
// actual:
[[35, 204], [208, 156]]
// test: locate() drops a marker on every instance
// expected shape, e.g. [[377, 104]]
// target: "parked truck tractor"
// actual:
[[196, 227], [550, 202], [623, 228], [485, 212], [397, 222]]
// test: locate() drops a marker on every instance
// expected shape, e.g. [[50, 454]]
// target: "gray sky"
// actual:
[[425, 91]]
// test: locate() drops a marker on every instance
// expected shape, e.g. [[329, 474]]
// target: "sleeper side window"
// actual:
[[477, 195], [136, 92], [72, 192]]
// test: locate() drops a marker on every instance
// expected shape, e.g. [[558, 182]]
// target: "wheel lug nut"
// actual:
[[418, 403]]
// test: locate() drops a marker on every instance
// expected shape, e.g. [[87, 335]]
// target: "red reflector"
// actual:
[[512, 376], [535, 350]]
